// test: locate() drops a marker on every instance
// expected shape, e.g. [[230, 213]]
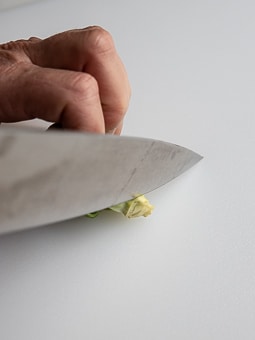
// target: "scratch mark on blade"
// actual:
[[134, 171]]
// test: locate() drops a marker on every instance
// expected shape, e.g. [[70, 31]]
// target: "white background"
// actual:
[[186, 272], [4, 4]]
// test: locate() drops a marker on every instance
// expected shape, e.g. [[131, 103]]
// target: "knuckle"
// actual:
[[123, 104], [121, 109], [115, 115], [117, 109], [18, 50], [14, 45], [84, 86], [100, 40]]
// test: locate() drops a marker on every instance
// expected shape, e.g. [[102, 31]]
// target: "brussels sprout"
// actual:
[[136, 207]]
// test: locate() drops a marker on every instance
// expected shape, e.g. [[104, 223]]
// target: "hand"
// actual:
[[74, 78]]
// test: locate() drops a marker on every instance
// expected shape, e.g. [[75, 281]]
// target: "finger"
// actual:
[[89, 50], [118, 129], [59, 96]]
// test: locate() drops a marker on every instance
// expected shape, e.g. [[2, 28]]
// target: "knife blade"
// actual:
[[47, 177]]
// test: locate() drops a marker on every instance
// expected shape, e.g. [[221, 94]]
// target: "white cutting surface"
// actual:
[[188, 271], [5, 4]]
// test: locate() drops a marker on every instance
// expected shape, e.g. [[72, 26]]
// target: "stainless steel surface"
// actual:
[[51, 176]]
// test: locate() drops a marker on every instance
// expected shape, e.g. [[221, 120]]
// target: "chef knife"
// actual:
[[51, 176]]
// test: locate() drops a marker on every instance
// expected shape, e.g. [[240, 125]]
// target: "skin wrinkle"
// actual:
[[74, 78]]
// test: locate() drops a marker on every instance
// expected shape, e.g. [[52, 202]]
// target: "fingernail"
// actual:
[[111, 132]]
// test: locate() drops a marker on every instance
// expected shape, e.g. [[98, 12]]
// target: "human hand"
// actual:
[[74, 78]]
